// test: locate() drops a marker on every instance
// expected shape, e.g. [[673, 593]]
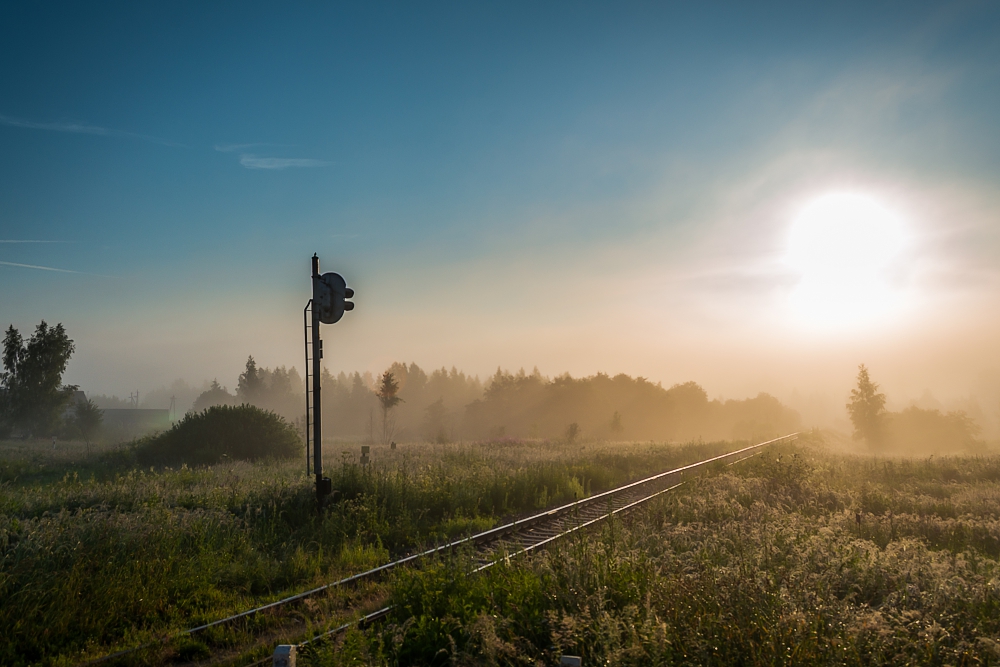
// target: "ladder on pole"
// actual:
[[310, 404]]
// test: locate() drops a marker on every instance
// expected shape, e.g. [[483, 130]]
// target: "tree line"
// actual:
[[407, 403], [619, 407]]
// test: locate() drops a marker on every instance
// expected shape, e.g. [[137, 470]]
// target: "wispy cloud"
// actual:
[[30, 241], [51, 268], [82, 128], [254, 162], [230, 148]]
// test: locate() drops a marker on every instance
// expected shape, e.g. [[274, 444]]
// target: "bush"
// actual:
[[222, 432], [918, 432]]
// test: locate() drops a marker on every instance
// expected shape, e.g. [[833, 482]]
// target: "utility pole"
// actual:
[[327, 305]]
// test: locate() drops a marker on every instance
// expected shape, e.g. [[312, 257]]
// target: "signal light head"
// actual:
[[329, 292]]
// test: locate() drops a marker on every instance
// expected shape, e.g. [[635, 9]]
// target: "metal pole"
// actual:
[[317, 403], [306, 324]]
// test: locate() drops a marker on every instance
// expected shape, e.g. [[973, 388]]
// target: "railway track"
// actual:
[[511, 540], [538, 531]]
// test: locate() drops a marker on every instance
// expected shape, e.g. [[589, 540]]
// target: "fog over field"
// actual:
[[755, 199], [651, 333]]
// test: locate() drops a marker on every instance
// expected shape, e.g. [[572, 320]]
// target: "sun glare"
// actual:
[[842, 245]]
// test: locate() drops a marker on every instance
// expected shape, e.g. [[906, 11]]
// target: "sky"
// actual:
[[753, 196]]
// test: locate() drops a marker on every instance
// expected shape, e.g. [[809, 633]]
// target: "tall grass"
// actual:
[[763, 564], [98, 553]]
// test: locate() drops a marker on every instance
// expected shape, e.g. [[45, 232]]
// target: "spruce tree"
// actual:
[[251, 385], [867, 410], [387, 389]]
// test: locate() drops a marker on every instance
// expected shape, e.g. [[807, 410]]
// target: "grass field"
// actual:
[[99, 554], [798, 556], [810, 558]]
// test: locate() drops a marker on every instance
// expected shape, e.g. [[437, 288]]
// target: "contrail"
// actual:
[[51, 268], [30, 241], [82, 128]]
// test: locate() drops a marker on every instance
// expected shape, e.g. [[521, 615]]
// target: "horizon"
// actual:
[[816, 410]]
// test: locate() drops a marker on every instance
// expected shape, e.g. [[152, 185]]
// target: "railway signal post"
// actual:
[[327, 305]]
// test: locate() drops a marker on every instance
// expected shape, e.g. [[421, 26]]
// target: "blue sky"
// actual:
[[576, 186]]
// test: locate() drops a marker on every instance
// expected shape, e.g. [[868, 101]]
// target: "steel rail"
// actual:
[[484, 537], [384, 611], [550, 514]]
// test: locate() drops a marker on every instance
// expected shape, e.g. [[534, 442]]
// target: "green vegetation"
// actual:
[[795, 558], [278, 390], [765, 562], [87, 418], [236, 433], [32, 397], [98, 554]]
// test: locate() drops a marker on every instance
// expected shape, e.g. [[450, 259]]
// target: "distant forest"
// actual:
[[448, 405]]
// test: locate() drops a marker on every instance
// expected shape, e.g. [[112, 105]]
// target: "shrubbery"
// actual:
[[242, 432], [920, 432]]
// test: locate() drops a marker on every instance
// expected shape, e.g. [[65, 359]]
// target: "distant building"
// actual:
[[77, 398], [137, 420], [129, 422]]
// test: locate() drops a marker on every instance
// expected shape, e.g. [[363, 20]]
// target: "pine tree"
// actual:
[[386, 393], [251, 385], [867, 410]]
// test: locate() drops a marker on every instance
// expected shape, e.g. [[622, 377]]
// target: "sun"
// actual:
[[841, 245]]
